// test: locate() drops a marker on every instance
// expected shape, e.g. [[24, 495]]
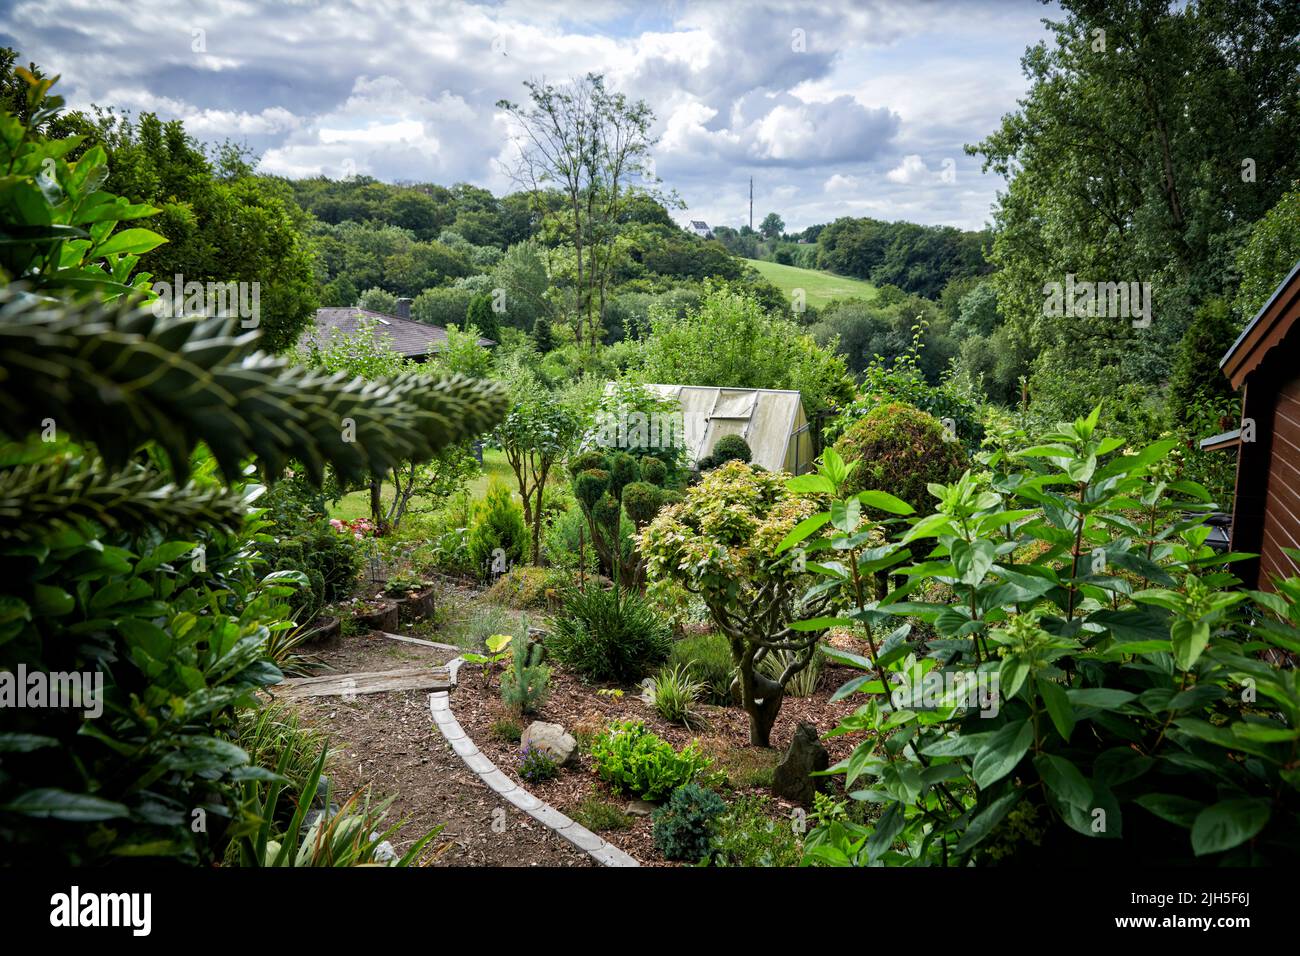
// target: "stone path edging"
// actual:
[[599, 849]]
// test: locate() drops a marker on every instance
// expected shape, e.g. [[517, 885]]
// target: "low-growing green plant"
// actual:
[[742, 767], [525, 683], [352, 836], [674, 695], [606, 634], [274, 733], [507, 729], [600, 815], [747, 834], [707, 658], [630, 758], [536, 765], [499, 648], [683, 827]]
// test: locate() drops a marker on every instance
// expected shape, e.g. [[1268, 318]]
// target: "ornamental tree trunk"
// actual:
[[761, 698]]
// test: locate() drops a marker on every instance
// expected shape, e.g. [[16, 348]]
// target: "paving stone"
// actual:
[[479, 763], [463, 745], [582, 838], [551, 817], [522, 799], [609, 855], [499, 781]]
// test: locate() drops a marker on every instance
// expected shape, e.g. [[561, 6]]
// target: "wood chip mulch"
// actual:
[[723, 734]]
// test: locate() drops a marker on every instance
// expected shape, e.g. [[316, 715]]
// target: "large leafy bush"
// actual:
[[901, 449], [1097, 691]]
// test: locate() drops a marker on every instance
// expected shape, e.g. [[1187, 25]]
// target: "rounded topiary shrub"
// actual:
[[589, 486], [623, 470], [900, 449], [731, 448], [585, 461], [642, 500], [654, 471]]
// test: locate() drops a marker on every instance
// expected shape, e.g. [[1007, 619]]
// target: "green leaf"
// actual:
[[1064, 779], [1171, 807], [134, 241], [1189, 640], [1002, 753], [889, 826], [61, 805], [1104, 698], [846, 515], [1058, 706], [883, 501], [986, 820], [14, 743], [1228, 823], [804, 528], [811, 485]]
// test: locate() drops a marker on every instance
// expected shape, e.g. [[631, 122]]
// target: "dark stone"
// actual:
[[793, 778]]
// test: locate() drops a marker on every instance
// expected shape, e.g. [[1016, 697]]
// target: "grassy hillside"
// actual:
[[819, 287]]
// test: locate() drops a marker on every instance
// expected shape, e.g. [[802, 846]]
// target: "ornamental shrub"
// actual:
[[641, 501], [608, 635], [498, 523], [683, 827], [731, 448], [902, 450]]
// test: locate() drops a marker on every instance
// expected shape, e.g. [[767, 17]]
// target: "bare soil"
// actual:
[[387, 741]]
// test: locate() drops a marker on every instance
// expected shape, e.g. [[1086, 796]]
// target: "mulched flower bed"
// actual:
[[723, 735]]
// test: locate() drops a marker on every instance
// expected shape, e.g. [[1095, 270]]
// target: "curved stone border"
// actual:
[[599, 849]]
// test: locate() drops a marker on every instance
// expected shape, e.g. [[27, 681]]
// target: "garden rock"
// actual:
[[639, 808], [552, 740], [793, 778]]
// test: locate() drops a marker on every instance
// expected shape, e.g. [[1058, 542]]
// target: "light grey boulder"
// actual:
[[551, 739]]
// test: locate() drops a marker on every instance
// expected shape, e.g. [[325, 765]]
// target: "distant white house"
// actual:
[[700, 228]]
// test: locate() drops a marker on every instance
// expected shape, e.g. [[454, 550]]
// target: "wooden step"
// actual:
[[370, 682]]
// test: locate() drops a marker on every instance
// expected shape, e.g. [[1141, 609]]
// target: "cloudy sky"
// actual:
[[858, 108]]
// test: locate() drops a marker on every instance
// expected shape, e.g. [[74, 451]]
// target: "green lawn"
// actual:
[[819, 287], [357, 504]]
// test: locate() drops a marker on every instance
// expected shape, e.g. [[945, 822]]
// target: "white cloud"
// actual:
[[406, 90]]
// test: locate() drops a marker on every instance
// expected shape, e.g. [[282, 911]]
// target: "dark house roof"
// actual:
[[1268, 328], [415, 340], [1266, 500]]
